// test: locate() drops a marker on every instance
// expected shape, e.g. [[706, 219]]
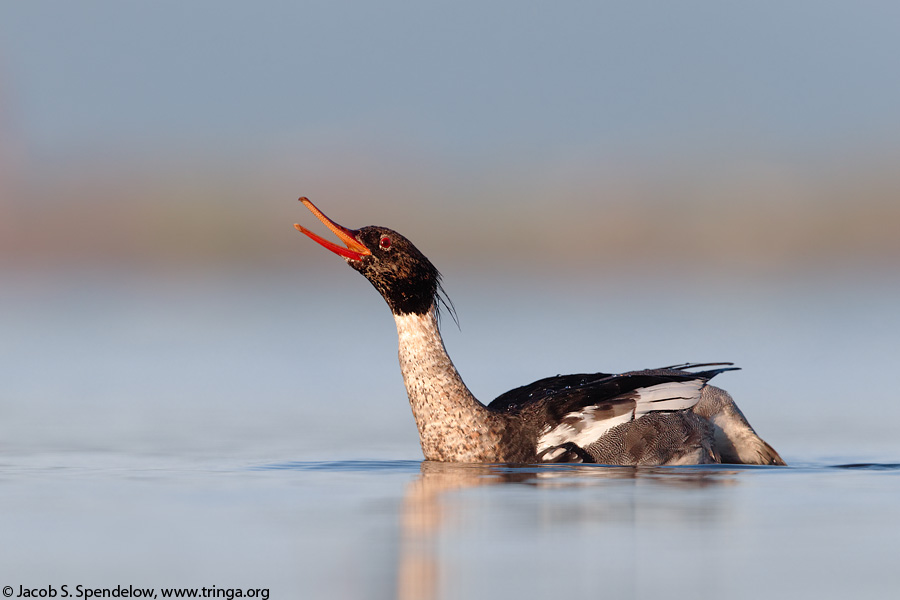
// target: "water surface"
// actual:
[[253, 433]]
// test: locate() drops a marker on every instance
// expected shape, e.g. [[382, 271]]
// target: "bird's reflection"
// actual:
[[426, 514]]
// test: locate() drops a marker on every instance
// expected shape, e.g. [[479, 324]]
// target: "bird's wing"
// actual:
[[572, 391], [559, 386], [576, 418]]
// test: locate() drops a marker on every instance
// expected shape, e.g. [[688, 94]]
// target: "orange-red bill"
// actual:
[[353, 251]]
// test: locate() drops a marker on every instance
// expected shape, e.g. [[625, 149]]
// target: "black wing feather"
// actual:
[[563, 394]]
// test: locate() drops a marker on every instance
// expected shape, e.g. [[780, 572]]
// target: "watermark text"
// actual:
[[130, 591]]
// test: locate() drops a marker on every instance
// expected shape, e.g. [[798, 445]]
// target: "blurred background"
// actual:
[[604, 186], [178, 135]]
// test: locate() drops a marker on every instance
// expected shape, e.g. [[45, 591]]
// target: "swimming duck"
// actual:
[[664, 416]]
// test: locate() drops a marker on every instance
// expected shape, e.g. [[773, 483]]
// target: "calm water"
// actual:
[[252, 432]]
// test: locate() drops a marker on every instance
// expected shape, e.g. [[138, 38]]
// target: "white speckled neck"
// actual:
[[453, 425]]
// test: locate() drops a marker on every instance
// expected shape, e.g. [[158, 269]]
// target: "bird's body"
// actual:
[[651, 417]]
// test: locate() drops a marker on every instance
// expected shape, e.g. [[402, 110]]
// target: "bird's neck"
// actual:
[[453, 425]]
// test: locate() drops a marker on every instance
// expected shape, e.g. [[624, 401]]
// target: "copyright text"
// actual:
[[120, 591]]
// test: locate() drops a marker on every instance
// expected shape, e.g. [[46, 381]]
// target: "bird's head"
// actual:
[[406, 279]]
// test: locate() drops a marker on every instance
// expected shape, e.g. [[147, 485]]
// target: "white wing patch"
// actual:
[[673, 395], [586, 426], [581, 428]]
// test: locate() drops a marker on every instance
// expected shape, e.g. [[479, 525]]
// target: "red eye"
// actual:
[[385, 242]]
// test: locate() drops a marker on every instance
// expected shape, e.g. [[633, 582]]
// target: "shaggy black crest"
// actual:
[[406, 279]]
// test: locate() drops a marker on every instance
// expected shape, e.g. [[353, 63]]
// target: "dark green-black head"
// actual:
[[403, 275]]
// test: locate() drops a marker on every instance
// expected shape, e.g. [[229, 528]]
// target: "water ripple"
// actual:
[[871, 466], [414, 466], [411, 466]]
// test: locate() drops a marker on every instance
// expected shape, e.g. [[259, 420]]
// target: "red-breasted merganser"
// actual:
[[666, 416]]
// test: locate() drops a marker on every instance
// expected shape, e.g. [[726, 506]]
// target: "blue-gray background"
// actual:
[[736, 134]]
